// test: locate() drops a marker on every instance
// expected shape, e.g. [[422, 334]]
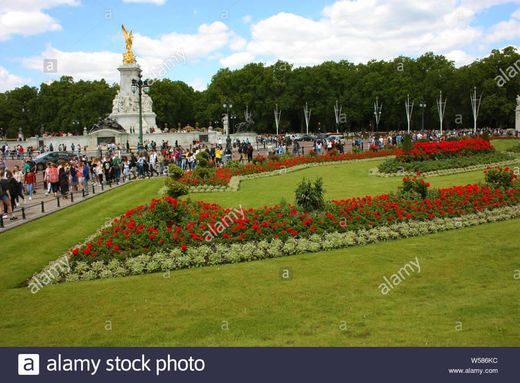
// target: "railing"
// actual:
[[73, 197]]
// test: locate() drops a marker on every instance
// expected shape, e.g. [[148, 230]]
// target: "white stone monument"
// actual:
[[125, 107], [517, 125]]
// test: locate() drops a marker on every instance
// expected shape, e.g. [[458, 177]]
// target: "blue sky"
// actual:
[[191, 40]]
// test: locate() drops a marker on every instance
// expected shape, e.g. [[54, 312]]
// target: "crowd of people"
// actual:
[[118, 163]]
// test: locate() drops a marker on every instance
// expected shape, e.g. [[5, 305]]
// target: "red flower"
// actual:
[[184, 247]]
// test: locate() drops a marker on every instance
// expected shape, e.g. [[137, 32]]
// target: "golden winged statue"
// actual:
[[128, 57]]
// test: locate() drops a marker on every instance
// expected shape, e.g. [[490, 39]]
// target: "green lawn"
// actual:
[[504, 144], [466, 276], [340, 181]]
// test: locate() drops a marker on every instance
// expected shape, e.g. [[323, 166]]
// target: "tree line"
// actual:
[[68, 106]]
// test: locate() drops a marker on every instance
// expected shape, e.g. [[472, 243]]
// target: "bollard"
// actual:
[[93, 189], [58, 201], [23, 213], [71, 197], [1, 221], [43, 207], [83, 192], [102, 188]]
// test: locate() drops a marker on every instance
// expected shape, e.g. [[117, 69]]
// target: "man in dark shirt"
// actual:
[[5, 197]]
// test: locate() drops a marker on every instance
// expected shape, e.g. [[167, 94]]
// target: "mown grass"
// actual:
[[466, 276]]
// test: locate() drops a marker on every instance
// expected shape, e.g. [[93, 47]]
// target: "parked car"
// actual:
[[335, 137], [308, 137], [43, 159]]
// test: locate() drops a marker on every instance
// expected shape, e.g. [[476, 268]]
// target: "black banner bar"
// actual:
[[330, 365]]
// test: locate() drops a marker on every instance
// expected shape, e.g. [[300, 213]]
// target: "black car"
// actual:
[[308, 137], [43, 159]]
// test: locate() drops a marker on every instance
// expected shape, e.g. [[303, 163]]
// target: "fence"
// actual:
[[55, 203]]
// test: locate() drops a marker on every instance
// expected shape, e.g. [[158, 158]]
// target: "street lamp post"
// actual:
[[377, 112], [409, 112], [233, 118], [475, 107], [422, 105], [307, 113], [441, 108], [227, 106], [337, 114], [140, 86], [277, 116], [75, 124]]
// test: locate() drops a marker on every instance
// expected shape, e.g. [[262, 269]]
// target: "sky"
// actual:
[[192, 40]]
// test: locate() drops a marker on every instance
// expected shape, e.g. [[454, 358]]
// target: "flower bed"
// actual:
[[425, 151], [179, 234], [457, 167], [428, 157], [167, 224], [165, 261], [263, 165]]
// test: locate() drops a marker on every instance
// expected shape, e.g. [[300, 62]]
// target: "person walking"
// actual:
[[5, 197], [63, 175], [30, 181], [85, 175], [54, 179], [18, 178]]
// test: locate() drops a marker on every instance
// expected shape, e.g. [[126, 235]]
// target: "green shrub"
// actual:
[[414, 187], [175, 189], [515, 149], [485, 136], [203, 172], [309, 196], [234, 164], [175, 172], [202, 155], [407, 144], [500, 177], [203, 160]]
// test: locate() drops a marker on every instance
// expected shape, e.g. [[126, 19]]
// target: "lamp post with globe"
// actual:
[[140, 86]]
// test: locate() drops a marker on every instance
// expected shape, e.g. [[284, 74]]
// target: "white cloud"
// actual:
[[156, 2], [26, 17], [79, 64], [9, 80], [505, 30], [209, 38], [460, 57], [247, 19], [237, 60], [237, 43], [361, 30], [198, 84], [158, 57]]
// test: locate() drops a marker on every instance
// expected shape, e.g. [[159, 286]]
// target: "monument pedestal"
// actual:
[[125, 107]]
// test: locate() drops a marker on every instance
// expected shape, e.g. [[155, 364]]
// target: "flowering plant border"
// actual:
[[444, 172], [235, 253]]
